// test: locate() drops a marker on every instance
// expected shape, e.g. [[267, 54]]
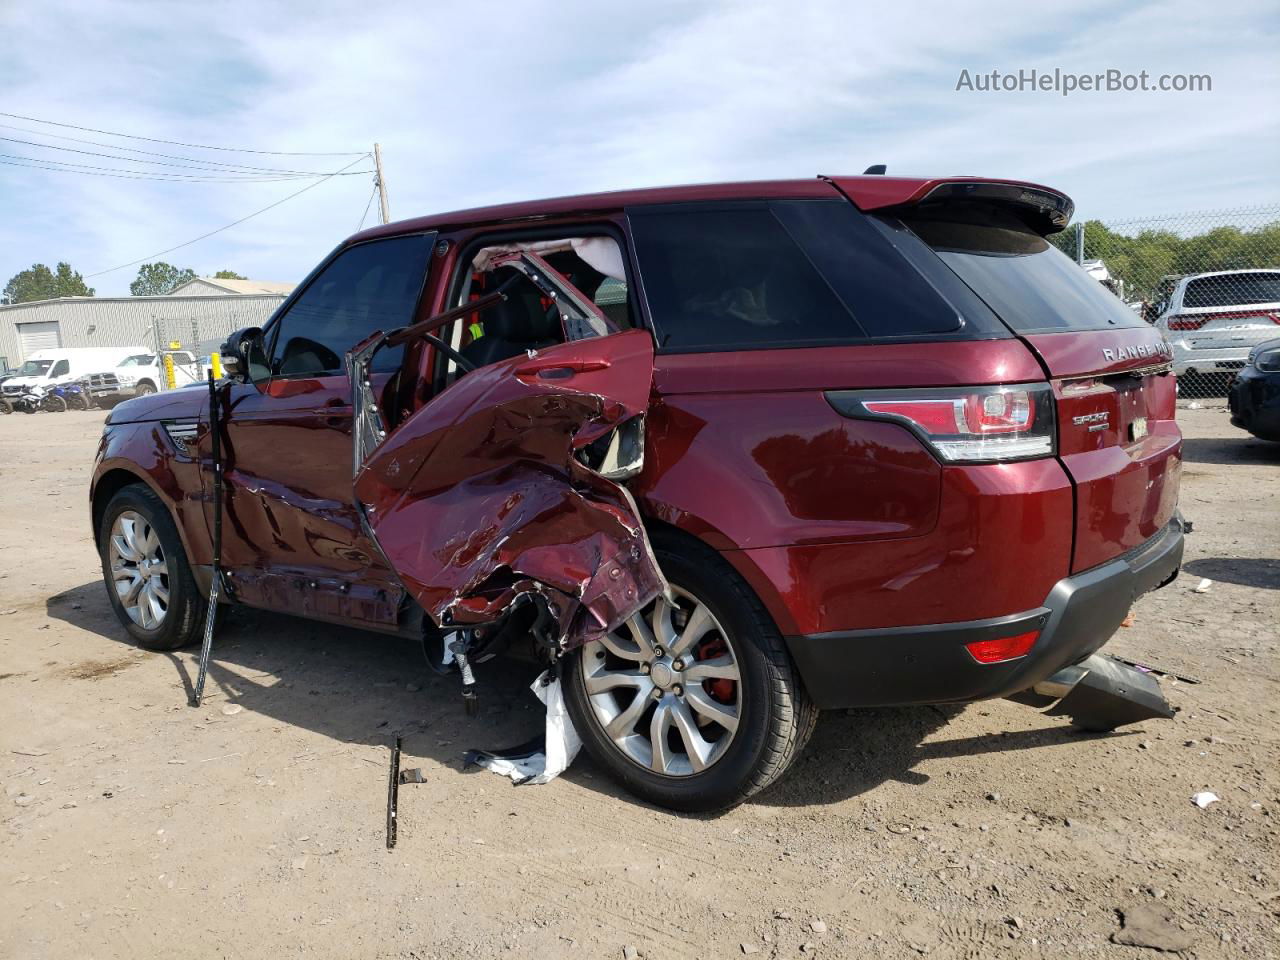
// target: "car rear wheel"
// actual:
[[148, 579], [694, 704]]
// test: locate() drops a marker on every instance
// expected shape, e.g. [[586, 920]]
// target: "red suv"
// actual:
[[725, 455]]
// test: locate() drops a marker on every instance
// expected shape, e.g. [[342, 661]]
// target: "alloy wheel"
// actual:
[[666, 689], [139, 570]]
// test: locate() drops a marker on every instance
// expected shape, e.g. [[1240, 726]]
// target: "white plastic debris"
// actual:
[[541, 764], [1204, 798], [1203, 586]]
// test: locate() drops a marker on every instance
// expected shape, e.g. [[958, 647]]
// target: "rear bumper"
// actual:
[[929, 664], [1254, 399]]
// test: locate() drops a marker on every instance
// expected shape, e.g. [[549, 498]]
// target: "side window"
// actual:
[[372, 286], [61, 368], [786, 273]]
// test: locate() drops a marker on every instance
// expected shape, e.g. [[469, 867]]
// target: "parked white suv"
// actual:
[[1213, 320]]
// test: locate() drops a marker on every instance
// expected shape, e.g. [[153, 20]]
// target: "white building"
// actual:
[[198, 316]]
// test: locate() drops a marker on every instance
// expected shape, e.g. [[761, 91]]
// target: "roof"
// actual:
[[243, 287], [867, 192]]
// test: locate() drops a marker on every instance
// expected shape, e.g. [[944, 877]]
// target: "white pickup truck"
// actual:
[[143, 373]]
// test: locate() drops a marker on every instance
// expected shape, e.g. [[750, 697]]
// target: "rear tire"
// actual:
[[775, 716], [144, 514]]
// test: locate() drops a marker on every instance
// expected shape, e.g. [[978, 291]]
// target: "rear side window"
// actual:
[[795, 273], [1030, 284], [1232, 290]]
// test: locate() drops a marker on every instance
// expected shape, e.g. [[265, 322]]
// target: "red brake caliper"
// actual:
[[722, 690]]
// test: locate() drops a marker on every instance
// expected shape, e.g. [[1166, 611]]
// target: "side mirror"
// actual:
[[244, 356]]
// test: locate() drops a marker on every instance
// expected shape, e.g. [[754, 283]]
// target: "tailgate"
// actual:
[[1117, 437], [1110, 371]]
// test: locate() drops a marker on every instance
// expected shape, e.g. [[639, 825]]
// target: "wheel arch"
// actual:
[[660, 530], [111, 482]]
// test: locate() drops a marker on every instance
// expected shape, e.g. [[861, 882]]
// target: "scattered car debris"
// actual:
[[1145, 926], [1203, 586], [231, 709], [544, 758], [412, 775], [1204, 798]]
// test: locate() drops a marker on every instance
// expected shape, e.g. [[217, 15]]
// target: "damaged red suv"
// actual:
[[723, 455]]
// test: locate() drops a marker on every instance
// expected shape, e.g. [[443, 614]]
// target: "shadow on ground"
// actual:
[[1260, 572], [1233, 450], [364, 688]]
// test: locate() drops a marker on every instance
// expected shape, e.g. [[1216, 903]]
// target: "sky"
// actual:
[[483, 103]]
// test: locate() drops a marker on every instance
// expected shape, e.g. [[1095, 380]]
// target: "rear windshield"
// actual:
[[1027, 281], [1232, 290], [789, 273]]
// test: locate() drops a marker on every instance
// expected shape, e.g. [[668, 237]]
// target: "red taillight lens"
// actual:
[[1003, 648], [964, 423], [1196, 321]]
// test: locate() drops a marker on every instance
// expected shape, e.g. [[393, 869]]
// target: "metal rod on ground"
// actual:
[[215, 579], [393, 794], [383, 203]]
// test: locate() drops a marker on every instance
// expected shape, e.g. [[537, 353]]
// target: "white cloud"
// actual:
[[484, 103]]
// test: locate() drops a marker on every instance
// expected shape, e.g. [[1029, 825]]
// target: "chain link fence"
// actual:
[[1209, 282]]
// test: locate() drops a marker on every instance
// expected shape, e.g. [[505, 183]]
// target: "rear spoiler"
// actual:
[[1043, 209]]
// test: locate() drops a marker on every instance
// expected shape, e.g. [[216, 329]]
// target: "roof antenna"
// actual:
[[877, 169]]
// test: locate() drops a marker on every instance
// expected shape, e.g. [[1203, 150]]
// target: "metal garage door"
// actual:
[[38, 336]]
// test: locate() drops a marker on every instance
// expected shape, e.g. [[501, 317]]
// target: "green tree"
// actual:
[[1142, 259], [41, 283], [228, 275], [157, 279]]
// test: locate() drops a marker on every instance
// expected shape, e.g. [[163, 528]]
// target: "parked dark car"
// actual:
[[729, 454], [1254, 397]]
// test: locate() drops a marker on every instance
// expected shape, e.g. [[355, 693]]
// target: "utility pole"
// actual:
[[382, 184]]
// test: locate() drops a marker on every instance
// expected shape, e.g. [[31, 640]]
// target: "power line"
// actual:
[[205, 236], [220, 176], [360, 225], [157, 163], [151, 153], [156, 176], [178, 143]]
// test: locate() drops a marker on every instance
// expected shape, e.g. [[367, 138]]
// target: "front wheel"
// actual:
[[145, 389], [54, 404], [694, 704], [148, 578]]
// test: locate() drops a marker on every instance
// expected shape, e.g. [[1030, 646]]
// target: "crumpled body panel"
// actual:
[[477, 499]]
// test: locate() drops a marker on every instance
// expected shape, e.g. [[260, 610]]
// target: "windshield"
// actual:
[[1028, 282], [35, 368], [137, 360], [1232, 290]]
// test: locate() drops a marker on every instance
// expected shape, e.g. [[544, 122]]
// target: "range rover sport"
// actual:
[[728, 455]]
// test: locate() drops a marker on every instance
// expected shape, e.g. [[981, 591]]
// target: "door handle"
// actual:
[[560, 369]]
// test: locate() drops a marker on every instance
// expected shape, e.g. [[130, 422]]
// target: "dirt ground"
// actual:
[[136, 826]]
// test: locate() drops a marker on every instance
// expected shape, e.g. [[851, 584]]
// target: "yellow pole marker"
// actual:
[[215, 361], [171, 381]]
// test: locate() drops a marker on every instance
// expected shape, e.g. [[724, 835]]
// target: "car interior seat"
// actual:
[[514, 325]]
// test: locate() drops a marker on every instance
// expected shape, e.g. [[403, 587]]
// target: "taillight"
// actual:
[[964, 424], [1002, 648], [1196, 321]]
